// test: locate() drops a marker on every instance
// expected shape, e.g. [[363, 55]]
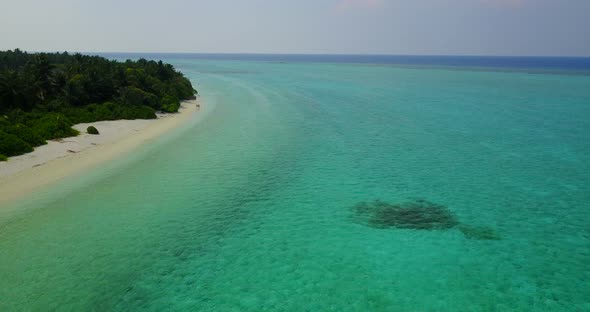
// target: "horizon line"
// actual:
[[310, 54]]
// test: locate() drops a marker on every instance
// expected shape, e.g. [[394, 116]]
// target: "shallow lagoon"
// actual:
[[252, 208]]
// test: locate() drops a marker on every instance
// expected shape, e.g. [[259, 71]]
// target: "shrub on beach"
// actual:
[[92, 130], [11, 145], [3, 158], [21, 130], [170, 104], [54, 126], [26, 134]]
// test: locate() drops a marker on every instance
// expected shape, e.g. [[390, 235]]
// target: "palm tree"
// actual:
[[39, 71], [9, 89]]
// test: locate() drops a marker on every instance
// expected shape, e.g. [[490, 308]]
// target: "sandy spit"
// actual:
[[47, 164]]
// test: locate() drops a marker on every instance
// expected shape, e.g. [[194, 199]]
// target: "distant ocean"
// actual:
[[539, 63], [329, 183]]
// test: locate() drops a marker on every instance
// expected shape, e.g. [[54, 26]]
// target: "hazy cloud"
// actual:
[[473, 27]]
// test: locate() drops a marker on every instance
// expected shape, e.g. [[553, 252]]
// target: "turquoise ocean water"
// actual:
[[250, 209]]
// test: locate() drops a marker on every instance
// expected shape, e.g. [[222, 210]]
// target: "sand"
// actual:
[[47, 164]]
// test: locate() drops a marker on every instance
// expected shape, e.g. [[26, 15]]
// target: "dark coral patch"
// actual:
[[418, 215], [478, 232]]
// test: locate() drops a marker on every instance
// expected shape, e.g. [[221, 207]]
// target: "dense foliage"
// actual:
[[42, 95]]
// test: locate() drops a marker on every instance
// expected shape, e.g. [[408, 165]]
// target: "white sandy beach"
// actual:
[[23, 174]]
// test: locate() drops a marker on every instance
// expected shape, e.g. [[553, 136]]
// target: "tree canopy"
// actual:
[[43, 94]]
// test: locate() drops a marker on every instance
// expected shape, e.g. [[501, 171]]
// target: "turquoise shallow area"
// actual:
[[250, 209]]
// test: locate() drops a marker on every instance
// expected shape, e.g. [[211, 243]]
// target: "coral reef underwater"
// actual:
[[418, 214]]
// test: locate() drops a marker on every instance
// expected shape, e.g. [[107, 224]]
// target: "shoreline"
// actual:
[[58, 159]]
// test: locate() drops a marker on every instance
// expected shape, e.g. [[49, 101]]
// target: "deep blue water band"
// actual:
[[577, 64]]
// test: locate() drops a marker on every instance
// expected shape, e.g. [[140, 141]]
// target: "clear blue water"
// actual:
[[538, 64], [251, 209]]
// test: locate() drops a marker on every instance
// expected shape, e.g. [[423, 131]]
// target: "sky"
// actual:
[[406, 27]]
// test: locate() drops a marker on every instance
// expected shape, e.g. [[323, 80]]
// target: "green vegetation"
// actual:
[[3, 158], [11, 145], [92, 130], [42, 95]]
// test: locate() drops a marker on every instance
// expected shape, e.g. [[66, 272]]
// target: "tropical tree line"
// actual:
[[43, 94]]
